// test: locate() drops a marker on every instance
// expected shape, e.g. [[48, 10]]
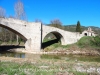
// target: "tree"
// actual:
[[78, 27], [3, 30], [96, 41], [56, 23], [2, 12], [11, 17], [38, 20], [19, 12], [5, 34]]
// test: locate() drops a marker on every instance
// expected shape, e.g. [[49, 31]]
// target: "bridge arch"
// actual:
[[14, 31], [58, 36]]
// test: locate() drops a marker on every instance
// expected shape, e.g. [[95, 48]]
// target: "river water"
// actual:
[[51, 56]]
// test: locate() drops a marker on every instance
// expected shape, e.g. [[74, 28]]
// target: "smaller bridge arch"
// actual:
[[58, 35]]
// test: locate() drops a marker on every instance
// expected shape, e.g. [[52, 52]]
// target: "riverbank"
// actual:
[[59, 50]]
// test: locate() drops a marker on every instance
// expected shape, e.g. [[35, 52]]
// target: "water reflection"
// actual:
[[12, 54], [32, 56], [72, 57], [19, 55]]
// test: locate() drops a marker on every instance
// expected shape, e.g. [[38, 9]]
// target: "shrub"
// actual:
[[85, 41], [96, 41], [88, 41]]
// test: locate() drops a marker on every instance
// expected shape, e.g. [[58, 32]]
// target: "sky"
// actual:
[[67, 11]]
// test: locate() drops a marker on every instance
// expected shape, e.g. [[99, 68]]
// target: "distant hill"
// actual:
[[72, 28]]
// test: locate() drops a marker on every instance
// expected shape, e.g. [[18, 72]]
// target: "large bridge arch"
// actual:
[[14, 31], [14, 25]]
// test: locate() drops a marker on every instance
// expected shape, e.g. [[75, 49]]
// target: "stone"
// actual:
[[34, 33]]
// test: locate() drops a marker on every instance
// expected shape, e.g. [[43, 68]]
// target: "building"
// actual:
[[89, 32]]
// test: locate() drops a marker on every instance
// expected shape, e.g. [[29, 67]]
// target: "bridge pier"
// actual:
[[32, 46]]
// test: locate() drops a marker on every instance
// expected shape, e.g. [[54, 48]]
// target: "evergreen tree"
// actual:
[[78, 27]]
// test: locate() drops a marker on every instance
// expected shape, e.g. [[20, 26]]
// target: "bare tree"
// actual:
[[3, 30], [56, 23], [37, 20], [11, 17], [19, 12], [2, 12]]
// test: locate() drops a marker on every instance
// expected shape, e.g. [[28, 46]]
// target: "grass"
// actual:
[[88, 41], [44, 56], [42, 67], [11, 68], [71, 57], [47, 65], [84, 42], [79, 73]]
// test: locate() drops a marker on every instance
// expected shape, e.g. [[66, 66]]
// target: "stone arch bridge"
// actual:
[[34, 33]]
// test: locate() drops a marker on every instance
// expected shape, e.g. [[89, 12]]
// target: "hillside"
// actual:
[[72, 28]]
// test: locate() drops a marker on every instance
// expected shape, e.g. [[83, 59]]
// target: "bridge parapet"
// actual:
[[20, 22]]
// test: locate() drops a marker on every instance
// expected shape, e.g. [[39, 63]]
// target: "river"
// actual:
[[51, 56]]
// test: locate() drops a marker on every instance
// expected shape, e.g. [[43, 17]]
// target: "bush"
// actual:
[[85, 41], [96, 41], [89, 41]]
